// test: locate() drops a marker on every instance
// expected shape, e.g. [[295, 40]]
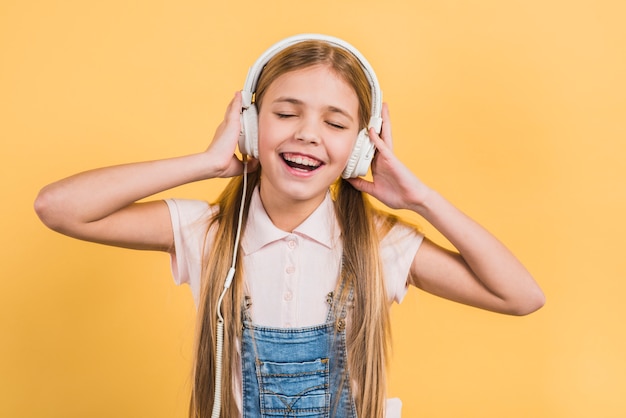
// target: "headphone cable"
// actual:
[[217, 395]]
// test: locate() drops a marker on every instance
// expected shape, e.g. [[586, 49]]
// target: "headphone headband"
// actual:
[[255, 71], [363, 151]]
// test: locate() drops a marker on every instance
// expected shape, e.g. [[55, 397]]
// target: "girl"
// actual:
[[306, 318]]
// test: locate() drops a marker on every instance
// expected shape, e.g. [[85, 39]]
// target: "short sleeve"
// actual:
[[397, 251], [190, 220]]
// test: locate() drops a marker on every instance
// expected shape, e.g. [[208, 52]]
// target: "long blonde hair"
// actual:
[[369, 332]]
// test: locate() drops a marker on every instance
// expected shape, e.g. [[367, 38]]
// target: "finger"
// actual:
[[385, 132], [378, 142], [361, 184], [227, 132], [234, 107], [232, 119]]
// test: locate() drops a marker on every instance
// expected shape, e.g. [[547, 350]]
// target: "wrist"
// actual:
[[206, 166], [195, 167], [423, 200]]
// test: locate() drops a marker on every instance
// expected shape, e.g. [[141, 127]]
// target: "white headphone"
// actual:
[[363, 151]]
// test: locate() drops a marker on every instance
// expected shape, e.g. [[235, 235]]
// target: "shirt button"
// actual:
[[291, 244], [288, 296], [290, 269]]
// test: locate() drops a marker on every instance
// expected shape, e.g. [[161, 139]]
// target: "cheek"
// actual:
[[347, 145], [266, 132], [269, 125]]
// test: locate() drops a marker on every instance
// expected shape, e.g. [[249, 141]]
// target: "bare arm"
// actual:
[[100, 205], [483, 273]]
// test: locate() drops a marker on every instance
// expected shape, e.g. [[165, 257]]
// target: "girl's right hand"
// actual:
[[112, 216], [221, 151]]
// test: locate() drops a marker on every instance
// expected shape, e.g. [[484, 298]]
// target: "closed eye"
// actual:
[[336, 125], [284, 115]]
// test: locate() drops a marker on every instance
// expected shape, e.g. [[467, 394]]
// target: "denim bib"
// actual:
[[296, 372]]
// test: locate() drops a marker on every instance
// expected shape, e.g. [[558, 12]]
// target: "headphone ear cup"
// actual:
[[249, 135], [361, 157]]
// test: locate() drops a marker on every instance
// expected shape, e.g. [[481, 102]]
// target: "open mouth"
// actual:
[[300, 162]]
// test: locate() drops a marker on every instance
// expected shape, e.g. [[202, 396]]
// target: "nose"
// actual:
[[308, 132]]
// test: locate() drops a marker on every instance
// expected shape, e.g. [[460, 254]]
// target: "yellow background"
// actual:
[[514, 110]]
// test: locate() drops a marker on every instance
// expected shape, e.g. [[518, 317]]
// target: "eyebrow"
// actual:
[[298, 102]]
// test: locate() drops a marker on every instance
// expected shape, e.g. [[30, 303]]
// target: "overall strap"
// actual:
[[338, 311]]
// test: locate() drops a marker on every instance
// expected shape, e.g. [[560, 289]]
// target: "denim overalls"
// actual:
[[297, 372]]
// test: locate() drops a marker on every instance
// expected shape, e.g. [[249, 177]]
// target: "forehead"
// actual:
[[319, 85]]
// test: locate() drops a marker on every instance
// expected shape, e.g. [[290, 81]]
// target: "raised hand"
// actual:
[[222, 147], [392, 182]]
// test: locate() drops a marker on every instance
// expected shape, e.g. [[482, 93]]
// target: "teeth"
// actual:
[[301, 160]]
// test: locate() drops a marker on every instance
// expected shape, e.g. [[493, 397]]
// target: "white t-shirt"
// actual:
[[287, 274]]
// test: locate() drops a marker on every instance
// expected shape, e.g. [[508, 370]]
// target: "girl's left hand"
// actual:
[[392, 182]]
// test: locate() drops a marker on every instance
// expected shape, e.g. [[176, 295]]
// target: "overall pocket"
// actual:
[[294, 389]]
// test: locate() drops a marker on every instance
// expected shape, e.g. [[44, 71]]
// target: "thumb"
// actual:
[[361, 184]]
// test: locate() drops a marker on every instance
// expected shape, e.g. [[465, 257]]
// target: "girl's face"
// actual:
[[308, 124]]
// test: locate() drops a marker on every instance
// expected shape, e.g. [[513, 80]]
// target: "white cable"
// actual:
[[217, 396]]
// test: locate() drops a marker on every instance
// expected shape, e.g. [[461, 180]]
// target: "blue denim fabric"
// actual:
[[297, 372]]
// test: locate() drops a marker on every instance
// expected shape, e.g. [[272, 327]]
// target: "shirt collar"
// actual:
[[320, 226]]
